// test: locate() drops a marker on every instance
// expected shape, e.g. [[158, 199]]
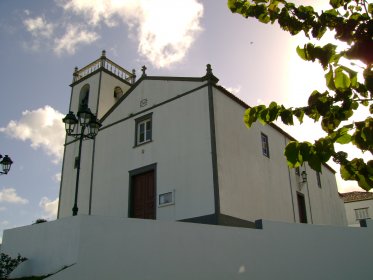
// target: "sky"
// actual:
[[41, 41]]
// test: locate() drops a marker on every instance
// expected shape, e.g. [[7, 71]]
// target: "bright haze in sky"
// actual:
[[42, 42]]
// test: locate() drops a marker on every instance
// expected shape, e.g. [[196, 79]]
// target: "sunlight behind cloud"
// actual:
[[165, 29], [167, 32], [43, 127], [10, 195]]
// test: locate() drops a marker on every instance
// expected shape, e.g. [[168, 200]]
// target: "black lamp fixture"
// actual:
[[85, 120], [5, 163], [304, 176], [302, 179]]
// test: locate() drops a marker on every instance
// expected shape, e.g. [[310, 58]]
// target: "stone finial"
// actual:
[[103, 54], [209, 75], [133, 76], [143, 69], [75, 74], [208, 69]]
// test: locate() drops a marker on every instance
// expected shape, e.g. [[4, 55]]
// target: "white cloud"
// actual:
[[10, 195], [40, 31], [49, 207], [39, 27], [2, 208], [165, 29], [57, 177], [96, 10], [74, 36], [43, 127]]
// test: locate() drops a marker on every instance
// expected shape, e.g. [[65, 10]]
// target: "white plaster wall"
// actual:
[[68, 178], [105, 89], [155, 91], [116, 248], [253, 186], [350, 210], [180, 148], [94, 83], [107, 100], [68, 181], [326, 204], [48, 246]]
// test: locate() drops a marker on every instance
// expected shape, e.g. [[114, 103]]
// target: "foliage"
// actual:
[[351, 21], [8, 264], [39, 221]]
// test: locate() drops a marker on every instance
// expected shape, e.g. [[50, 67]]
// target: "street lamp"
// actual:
[[5, 163], [86, 120]]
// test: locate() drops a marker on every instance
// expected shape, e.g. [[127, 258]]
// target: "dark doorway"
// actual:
[[142, 204], [302, 208]]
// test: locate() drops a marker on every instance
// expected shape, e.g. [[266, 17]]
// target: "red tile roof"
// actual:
[[356, 196]]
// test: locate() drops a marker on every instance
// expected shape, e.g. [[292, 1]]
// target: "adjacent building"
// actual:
[[176, 148], [359, 207]]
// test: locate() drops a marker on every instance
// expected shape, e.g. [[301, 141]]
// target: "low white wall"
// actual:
[[114, 248], [48, 246]]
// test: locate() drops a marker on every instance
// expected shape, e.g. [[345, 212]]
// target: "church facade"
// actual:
[[176, 148]]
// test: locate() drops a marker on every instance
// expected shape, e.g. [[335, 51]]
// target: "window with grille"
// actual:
[[265, 146], [143, 130], [318, 179], [362, 213]]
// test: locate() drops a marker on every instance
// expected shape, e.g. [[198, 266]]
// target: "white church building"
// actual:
[[177, 149]]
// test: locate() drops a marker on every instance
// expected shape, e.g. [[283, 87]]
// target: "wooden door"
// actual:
[[143, 196], [302, 208]]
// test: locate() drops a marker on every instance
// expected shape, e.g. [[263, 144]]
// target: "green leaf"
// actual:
[[341, 81], [324, 149], [305, 150], [344, 139], [250, 116], [287, 117], [336, 3], [370, 8], [314, 98], [302, 53], [315, 163], [262, 116], [330, 79], [346, 173], [330, 123], [292, 154], [299, 113], [273, 110], [232, 5]]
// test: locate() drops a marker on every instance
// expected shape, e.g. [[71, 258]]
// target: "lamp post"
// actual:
[[89, 126], [5, 163]]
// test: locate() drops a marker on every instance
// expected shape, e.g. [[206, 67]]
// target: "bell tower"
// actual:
[[97, 86]]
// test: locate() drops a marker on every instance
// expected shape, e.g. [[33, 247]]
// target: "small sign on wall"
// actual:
[[166, 199]]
